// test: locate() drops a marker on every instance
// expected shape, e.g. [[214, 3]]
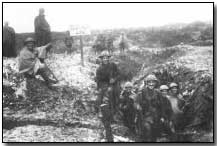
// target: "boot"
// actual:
[[45, 75]]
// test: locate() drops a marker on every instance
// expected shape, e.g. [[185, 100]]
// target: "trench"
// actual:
[[10, 124], [13, 123]]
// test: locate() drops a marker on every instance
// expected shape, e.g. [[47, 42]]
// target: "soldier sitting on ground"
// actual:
[[127, 106], [31, 61]]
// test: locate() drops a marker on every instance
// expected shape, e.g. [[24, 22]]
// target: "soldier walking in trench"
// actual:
[[107, 79], [152, 109]]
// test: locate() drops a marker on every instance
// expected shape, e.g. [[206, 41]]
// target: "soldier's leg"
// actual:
[[106, 120], [115, 92], [139, 127], [99, 99], [45, 74], [147, 132], [131, 119], [111, 100]]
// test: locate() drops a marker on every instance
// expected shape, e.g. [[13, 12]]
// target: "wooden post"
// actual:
[[82, 53]]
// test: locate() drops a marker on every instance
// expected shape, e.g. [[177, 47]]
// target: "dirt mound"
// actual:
[[67, 112], [192, 69], [69, 105]]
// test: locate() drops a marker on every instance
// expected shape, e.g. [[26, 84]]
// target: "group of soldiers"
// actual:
[[31, 58], [148, 113], [42, 35], [103, 43]]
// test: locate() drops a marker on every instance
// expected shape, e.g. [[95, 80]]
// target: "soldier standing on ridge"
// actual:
[[42, 29], [9, 41]]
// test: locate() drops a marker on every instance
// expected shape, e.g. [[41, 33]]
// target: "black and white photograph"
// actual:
[[107, 72]]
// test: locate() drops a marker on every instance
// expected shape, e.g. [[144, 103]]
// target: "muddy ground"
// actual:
[[67, 113]]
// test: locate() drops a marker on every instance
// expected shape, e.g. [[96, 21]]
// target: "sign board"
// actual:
[[78, 30]]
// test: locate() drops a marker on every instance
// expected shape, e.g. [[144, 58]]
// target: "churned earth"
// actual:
[[67, 113]]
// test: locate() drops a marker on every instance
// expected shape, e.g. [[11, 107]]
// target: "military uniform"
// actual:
[[42, 31], [108, 93], [177, 103], [153, 108], [9, 42], [127, 108], [31, 65]]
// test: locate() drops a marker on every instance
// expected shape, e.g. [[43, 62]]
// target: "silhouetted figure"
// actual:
[[42, 29], [9, 41]]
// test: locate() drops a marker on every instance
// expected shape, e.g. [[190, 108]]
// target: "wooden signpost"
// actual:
[[80, 30]]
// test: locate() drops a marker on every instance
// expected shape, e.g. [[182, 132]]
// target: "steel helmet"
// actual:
[[104, 53], [173, 85], [128, 84], [151, 77], [29, 39], [164, 87]]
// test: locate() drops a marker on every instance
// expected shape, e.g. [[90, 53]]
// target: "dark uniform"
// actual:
[[107, 79], [108, 92], [68, 43], [9, 42], [42, 31], [30, 62], [127, 108], [123, 43], [153, 108]]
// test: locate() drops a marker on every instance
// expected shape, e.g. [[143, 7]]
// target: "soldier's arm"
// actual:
[[137, 101], [98, 77], [166, 109], [115, 72]]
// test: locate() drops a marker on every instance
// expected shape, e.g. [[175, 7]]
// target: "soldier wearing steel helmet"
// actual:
[[107, 79], [177, 103], [31, 61], [164, 90], [127, 106], [151, 109], [167, 125]]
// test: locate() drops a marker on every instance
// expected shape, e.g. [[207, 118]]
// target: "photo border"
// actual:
[[4, 2]]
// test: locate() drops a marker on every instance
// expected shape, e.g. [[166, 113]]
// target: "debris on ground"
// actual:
[[67, 113]]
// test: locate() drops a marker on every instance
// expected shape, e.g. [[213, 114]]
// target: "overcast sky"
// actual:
[[108, 15]]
